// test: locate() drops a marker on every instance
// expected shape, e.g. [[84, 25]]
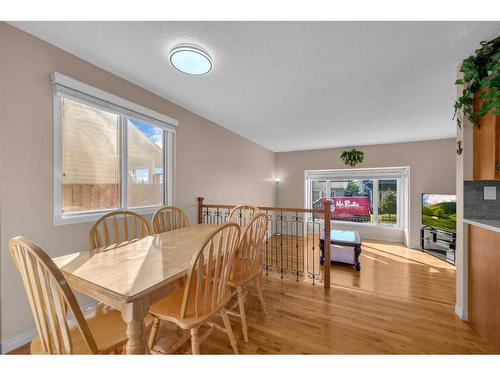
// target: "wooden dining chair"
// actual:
[[206, 292], [247, 268], [118, 226], [168, 218], [242, 214], [96, 331]]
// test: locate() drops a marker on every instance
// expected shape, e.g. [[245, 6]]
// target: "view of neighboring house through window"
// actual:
[[318, 191], [372, 200], [145, 164], [90, 146]]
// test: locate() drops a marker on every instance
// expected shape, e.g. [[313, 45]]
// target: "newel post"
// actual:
[[327, 214], [200, 210]]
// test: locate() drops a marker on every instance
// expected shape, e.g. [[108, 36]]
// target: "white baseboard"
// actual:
[[18, 341], [26, 337], [381, 238], [461, 313], [413, 246]]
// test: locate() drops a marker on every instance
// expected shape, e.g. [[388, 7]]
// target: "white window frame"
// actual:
[[400, 174], [70, 88]]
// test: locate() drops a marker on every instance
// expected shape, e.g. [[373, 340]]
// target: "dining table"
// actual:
[[133, 275]]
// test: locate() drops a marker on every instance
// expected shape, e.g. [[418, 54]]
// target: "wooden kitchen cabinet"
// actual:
[[486, 143], [484, 283], [484, 244]]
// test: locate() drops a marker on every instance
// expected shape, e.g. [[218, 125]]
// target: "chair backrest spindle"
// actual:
[[249, 257]]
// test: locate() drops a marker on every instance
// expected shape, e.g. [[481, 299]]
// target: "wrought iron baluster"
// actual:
[[297, 246], [207, 216], [318, 226], [288, 257], [276, 244], [301, 236], [267, 245], [313, 255], [281, 243], [307, 248]]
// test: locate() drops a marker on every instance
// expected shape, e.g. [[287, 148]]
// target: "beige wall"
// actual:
[[432, 169], [210, 160], [464, 172]]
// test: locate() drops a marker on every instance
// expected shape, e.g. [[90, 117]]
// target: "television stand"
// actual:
[[439, 243]]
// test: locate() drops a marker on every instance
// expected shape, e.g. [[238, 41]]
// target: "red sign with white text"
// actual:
[[345, 208]]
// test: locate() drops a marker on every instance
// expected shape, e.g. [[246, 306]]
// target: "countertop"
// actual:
[[493, 225]]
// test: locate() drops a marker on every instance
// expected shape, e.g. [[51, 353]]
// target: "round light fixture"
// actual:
[[190, 59]]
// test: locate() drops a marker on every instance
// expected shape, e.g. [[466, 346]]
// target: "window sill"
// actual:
[[367, 225], [91, 217]]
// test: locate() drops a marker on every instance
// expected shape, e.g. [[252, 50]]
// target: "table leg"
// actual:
[[357, 253], [133, 314]]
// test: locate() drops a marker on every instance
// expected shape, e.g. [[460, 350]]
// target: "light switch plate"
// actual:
[[490, 193]]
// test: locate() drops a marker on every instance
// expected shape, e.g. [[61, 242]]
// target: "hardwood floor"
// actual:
[[402, 301]]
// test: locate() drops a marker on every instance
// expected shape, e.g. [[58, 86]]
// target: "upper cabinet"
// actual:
[[486, 143]]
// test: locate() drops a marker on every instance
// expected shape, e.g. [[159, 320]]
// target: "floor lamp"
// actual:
[[277, 182]]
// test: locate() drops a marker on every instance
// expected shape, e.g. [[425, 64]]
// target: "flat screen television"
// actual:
[[440, 211]]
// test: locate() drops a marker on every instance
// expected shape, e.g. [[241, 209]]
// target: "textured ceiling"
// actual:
[[293, 85]]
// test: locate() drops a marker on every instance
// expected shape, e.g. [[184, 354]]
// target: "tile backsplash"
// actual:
[[475, 206]]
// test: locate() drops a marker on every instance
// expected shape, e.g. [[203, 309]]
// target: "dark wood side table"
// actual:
[[340, 240]]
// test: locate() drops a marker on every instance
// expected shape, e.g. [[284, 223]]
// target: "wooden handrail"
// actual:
[[263, 208], [325, 211], [309, 210]]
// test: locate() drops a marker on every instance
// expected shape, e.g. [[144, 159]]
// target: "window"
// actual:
[[108, 154], [372, 196]]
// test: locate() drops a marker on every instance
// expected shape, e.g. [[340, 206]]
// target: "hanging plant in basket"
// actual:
[[352, 157], [481, 73]]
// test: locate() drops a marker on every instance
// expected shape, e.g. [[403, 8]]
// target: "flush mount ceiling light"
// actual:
[[190, 59]]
